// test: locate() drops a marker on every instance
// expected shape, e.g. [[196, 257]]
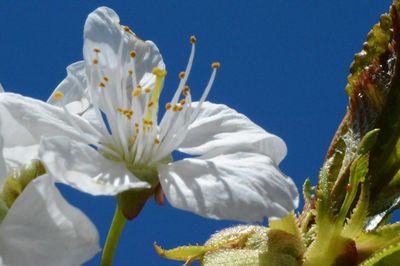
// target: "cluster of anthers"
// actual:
[[128, 111]]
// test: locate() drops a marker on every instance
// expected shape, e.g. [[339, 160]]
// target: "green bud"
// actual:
[[283, 249], [3, 209], [30, 172], [254, 246], [17, 181], [12, 188], [368, 141], [240, 257]]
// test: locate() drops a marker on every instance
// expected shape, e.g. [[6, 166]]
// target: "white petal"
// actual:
[[220, 127], [82, 167], [14, 133], [32, 119], [103, 31], [3, 169], [20, 155], [239, 186], [73, 89], [1, 259], [41, 228]]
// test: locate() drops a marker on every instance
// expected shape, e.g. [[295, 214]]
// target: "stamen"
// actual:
[[206, 90], [102, 85], [186, 90], [130, 72], [182, 83], [58, 95], [150, 104], [96, 50], [147, 90], [168, 106], [157, 141], [175, 108], [127, 29], [137, 91], [159, 72], [182, 74], [215, 65], [132, 54], [105, 78], [95, 61], [125, 112], [182, 102], [160, 75], [193, 39]]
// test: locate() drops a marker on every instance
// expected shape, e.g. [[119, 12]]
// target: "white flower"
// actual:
[[40, 227], [232, 171]]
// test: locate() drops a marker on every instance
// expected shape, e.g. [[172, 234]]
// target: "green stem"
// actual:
[[116, 228]]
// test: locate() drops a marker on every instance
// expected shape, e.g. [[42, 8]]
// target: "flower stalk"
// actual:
[[114, 233]]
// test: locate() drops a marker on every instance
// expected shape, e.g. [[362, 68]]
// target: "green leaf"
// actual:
[[286, 224], [356, 223], [183, 253], [358, 171], [389, 256], [307, 191], [371, 242]]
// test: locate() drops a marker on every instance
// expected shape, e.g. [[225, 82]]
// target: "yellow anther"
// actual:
[[193, 39], [95, 61], [132, 54], [182, 74], [127, 112], [106, 79], [159, 72], [130, 72], [102, 85], [175, 108], [150, 104], [58, 95], [137, 91], [136, 125], [168, 106], [215, 65], [157, 141], [127, 29], [186, 90], [96, 50], [150, 122], [180, 108], [182, 102], [147, 90]]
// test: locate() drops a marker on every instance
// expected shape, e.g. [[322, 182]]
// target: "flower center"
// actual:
[[127, 105]]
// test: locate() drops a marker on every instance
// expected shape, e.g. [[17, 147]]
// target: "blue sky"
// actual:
[[283, 63]]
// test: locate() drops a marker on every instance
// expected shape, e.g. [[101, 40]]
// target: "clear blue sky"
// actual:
[[283, 63]]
